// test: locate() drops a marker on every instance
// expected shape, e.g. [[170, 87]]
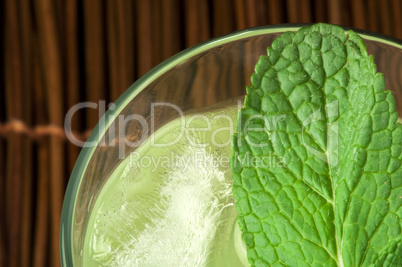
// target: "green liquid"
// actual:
[[170, 203]]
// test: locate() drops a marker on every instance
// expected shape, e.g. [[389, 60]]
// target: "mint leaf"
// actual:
[[317, 158]]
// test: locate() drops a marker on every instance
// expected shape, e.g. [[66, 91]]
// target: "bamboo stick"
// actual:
[[275, 12], [385, 11], [197, 27], [112, 49], [51, 67], [156, 26], [41, 244], [120, 55], [14, 177], [204, 30], [261, 12], [372, 9], [13, 197], [171, 33], [144, 36], [125, 22], [27, 174], [95, 72], [192, 28], [72, 77], [56, 195], [3, 241], [321, 11], [3, 148], [335, 11], [250, 9], [3, 200], [359, 13], [396, 9], [13, 87], [346, 10], [120, 46], [41, 234], [13, 76], [292, 10], [222, 16], [305, 11], [240, 14], [26, 209]]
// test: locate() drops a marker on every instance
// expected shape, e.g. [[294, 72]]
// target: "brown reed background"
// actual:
[[55, 54]]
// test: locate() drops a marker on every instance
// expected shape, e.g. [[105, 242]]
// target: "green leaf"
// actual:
[[317, 157]]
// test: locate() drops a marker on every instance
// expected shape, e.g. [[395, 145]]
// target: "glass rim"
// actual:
[[141, 83]]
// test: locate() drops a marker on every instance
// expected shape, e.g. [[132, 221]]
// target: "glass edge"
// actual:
[[380, 37], [99, 130]]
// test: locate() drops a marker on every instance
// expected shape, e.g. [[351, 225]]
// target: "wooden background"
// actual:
[[55, 54]]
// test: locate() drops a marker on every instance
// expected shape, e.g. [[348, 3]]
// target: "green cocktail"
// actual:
[[170, 203], [173, 205]]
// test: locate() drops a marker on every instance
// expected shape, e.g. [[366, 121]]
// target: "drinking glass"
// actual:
[[201, 76]]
